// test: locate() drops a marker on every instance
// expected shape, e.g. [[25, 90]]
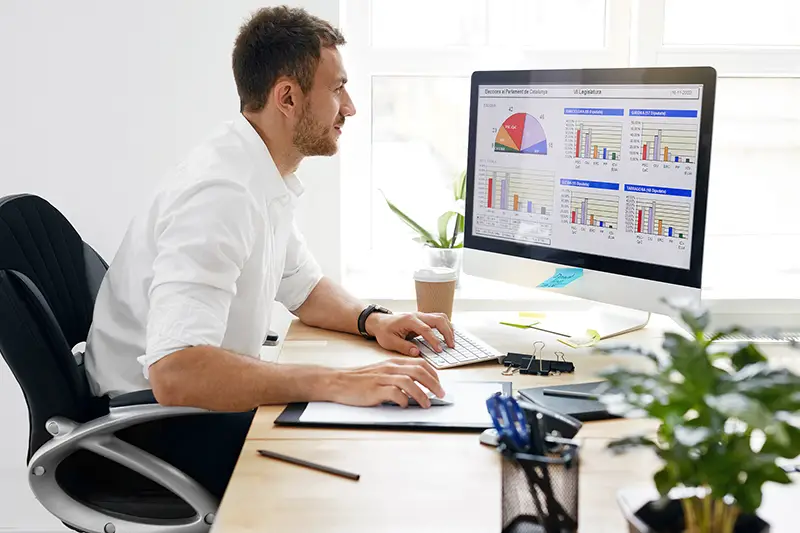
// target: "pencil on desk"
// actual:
[[309, 464]]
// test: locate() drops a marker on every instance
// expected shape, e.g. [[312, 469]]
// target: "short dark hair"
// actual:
[[278, 41]]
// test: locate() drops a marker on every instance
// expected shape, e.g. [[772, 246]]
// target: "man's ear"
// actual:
[[288, 96]]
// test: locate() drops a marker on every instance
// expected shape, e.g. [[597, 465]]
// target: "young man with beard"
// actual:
[[186, 303]]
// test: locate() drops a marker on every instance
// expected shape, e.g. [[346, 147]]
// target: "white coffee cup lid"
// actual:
[[433, 274]]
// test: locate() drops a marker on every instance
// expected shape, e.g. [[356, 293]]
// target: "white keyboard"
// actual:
[[468, 349]]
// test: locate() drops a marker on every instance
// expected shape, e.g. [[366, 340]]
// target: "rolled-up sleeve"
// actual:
[[203, 240], [300, 274]]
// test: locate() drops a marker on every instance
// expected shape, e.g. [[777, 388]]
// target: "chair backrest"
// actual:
[[48, 283]]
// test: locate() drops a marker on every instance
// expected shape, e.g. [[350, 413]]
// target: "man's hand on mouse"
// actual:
[[393, 380], [393, 331]]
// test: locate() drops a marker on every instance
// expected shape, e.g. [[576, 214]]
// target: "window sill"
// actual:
[[742, 273], [396, 290]]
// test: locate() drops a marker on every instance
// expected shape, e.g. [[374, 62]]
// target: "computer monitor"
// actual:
[[600, 169]]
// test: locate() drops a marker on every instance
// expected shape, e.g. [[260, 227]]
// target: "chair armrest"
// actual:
[[98, 436], [139, 397]]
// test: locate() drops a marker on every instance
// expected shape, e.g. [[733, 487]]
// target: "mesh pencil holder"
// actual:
[[540, 493]]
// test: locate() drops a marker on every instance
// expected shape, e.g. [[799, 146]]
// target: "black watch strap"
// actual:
[[362, 318]]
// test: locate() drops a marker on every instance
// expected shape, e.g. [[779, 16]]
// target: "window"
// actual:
[[771, 23], [756, 120], [419, 144], [409, 64]]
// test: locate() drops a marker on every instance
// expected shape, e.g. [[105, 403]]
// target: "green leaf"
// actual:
[[664, 481], [748, 497], [690, 359], [460, 186], [794, 437], [423, 233], [697, 320], [779, 434], [443, 222], [692, 315], [711, 404], [774, 473], [735, 405], [675, 344], [776, 389], [624, 444], [728, 331], [691, 436], [747, 355], [756, 373], [748, 493], [783, 441]]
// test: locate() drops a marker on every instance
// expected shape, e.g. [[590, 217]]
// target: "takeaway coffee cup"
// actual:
[[436, 287]]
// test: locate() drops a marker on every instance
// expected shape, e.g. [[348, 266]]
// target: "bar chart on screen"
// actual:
[[594, 209], [664, 144], [590, 206], [516, 190], [658, 219], [669, 142], [594, 143]]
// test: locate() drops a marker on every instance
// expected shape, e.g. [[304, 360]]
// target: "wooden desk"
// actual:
[[420, 481], [305, 345]]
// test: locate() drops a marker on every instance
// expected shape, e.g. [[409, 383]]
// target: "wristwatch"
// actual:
[[362, 318]]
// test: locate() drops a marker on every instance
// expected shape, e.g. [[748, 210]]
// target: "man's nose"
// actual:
[[348, 107]]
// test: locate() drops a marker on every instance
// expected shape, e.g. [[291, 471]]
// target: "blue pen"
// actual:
[[509, 421]]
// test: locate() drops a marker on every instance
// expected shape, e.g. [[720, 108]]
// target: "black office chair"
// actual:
[[49, 279]]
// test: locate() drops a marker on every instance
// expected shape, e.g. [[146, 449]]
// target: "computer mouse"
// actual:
[[435, 400]]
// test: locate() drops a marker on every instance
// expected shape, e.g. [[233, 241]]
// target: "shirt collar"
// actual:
[[285, 189]]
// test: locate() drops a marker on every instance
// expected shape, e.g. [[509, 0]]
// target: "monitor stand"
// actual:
[[608, 320]]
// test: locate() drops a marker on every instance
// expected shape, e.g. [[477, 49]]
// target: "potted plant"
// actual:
[[725, 423], [444, 246]]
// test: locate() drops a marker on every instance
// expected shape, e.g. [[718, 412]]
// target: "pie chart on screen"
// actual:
[[521, 133]]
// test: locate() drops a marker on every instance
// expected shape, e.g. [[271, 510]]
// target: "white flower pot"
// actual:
[[445, 257]]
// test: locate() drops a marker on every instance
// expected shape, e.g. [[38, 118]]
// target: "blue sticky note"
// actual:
[[562, 278]]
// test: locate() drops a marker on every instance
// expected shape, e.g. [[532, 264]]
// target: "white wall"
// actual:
[[97, 100]]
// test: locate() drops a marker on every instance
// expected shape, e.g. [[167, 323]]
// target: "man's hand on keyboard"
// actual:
[[394, 331]]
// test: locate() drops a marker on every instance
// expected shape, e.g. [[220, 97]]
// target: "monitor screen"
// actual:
[[608, 170]]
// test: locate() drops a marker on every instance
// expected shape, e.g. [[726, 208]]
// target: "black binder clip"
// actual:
[[535, 364], [516, 360], [559, 366]]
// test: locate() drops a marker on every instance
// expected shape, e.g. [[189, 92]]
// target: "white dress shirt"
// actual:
[[202, 264]]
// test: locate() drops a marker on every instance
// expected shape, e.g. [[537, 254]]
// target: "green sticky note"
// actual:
[[582, 341], [562, 278]]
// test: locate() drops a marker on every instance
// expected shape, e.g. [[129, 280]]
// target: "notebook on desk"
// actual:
[[583, 410], [467, 412]]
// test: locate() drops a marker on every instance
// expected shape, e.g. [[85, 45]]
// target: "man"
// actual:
[[186, 303]]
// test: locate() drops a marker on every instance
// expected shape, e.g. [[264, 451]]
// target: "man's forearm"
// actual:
[[330, 306], [215, 379]]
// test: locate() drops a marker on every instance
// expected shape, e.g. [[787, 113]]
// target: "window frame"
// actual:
[[648, 48], [634, 34], [363, 62]]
